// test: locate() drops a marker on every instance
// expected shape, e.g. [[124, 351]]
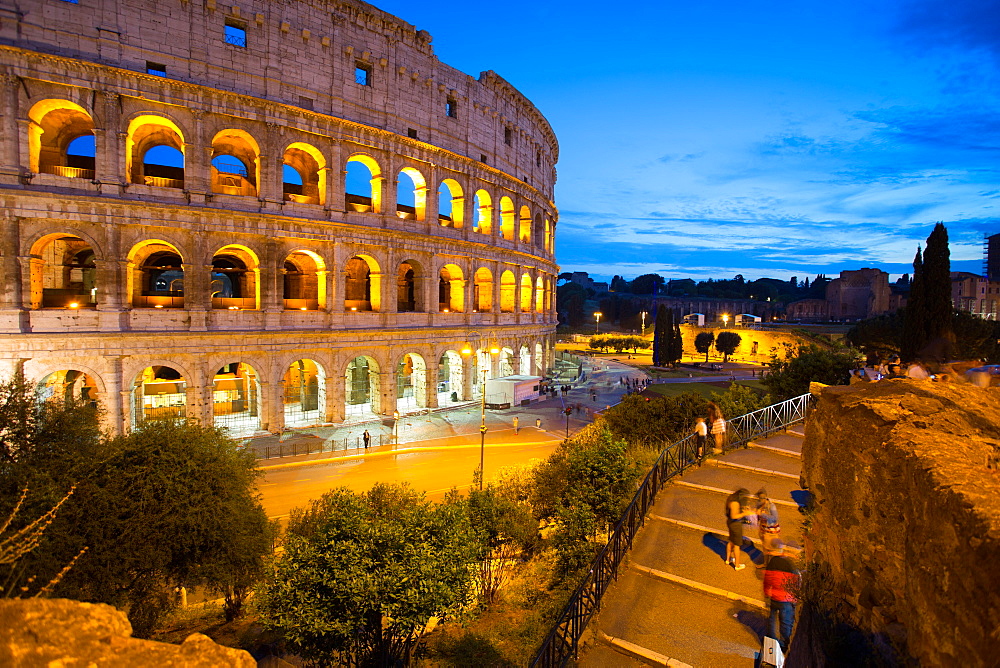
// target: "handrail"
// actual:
[[561, 643]]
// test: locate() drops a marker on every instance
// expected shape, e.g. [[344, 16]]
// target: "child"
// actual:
[[701, 435]]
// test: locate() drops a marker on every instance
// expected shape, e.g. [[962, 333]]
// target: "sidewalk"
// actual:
[[452, 426]]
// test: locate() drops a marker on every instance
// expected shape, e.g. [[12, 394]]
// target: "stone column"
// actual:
[[335, 397], [387, 387], [269, 186], [10, 137], [198, 161], [109, 145], [197, 294], [271, 300], [469, 379], [194, 400], [430, 383], [272, 413]]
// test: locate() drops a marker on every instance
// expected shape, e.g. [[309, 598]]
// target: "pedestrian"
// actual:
[[718, 426], [593, 395], [767, 514], [515, 425], [538, 423], [781, 582], [735, 512], [700, 436], [367, 438]]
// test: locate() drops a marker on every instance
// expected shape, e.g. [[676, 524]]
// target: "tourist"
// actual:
[[515, 425], [917, 371], [767, 514], [781, 582], [367, 438], [700, 437], [718, 426], [735, 512]]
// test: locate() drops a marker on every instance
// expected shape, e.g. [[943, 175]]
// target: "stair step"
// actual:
[[755, 469]]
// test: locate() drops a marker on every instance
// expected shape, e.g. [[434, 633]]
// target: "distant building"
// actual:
[[992, 268], [856, 295], [582, 279], [975, 294]]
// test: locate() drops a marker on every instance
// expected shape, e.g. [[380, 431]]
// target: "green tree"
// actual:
[[915, 316], [703, 343], [676, 348], [647, 284], [727, 343], [879, 336], [505, 529], [739, 400], [658, 422], [790, 377], [661, 335], [937, 285], [362, 574]]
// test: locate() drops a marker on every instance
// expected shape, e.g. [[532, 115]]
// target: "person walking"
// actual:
[[781, 582], [767, 515], [515, 425], [735, 512], [718, 426], [367, 438], [700, 437], [538, 423]]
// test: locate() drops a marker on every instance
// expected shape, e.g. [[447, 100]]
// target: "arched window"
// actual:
[[406, 287], [451, 289], [362, 394], [363, 185], [155, 152], [236, 399], [539, 295], [304, 386], [451, 377], [304, 174], [411, 194], [508, 286], [538, 231], [61, 139], [234, 279], [483, 290], [235, 163], [483, 206], [451, 204], [304, 285], [411, 383], [157, 276], [507, 218], [158, 393], [64, 275], [67, 387], [525, 293], [525, 226], [361, 284]]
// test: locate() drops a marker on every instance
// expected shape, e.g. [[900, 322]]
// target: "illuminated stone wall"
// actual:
[[119, 262]]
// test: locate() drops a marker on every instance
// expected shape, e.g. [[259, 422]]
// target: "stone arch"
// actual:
[[304, 393], [526, 289], [483, 212], [63, 271], [159, 392], [55, 125], [451, 199], [411, 383], [507, 214], [505, 363], [409, 283], [548, 236], [235, 163], [237, 399], [308, 163], [69, 385], [371, 200], [538, 230], [363, 396], [451, 289], [235, 278], [524, 360], [411, 203], [483, 291], [539, 295], [303, 281], [451, 378], [508, 289], [362, 284], [524, 225], [156, 275], [147, 132], [539, 360]]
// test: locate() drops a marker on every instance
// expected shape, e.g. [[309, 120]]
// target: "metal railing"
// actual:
[[351, 444], [561, 644]]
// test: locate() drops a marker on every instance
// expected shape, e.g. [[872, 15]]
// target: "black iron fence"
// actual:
[[561, 644], [348, 444]]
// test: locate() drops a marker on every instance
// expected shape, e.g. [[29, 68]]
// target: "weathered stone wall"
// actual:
[[908, 515], [59, 632]]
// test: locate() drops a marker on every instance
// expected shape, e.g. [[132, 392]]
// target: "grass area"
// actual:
[[704, 389]]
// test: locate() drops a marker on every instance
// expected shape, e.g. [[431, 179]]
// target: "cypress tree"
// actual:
[[676, 344], [937, 285], [660, 332], [915, 316]]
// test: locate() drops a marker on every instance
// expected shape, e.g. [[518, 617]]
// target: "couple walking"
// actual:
[[740, 511], [718, 430]]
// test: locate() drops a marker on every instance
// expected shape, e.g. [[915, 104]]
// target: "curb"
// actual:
[[699, 527], [706, 488], [642, 652], [398, 451], [755, 469], [780, 451], [698, 586]]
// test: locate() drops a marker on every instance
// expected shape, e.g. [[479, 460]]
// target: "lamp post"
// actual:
[[598, 315], [643, 332], [395, 427], [725, 319], [494, 350]]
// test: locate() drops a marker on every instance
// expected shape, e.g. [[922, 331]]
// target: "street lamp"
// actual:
[[643, 314], [598, 315], [725, 319], [494, 350], [395, 427]]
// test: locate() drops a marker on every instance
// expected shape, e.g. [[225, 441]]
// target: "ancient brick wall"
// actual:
[[907, 515]]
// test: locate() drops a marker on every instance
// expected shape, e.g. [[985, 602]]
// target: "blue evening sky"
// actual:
[[777, 138]]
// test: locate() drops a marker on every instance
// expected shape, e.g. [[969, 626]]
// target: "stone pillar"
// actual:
[[268, 182], [197, 294], [469, 379], [390, 186], [272, 410], [432, 206], [109, 145], [430, 383], [31, 291], [10, 137], [194, 400], [198, 161], [387, 387], [271, 296], [335, 397]]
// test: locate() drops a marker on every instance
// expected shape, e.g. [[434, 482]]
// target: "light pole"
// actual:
[[395, 427], [643, 332], [598, 315], [494, 350], [725, 319]]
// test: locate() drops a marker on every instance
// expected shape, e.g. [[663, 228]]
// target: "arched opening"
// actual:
[[303, 284], [538, 230], [525, 225], [63, 273], [483, 205], [539, 295], [361, 287], [548, 236], [304, 174], [61, 139], [483, 369], [236, 399], [507, 218], [234, 280], [67, 387], [539, 360], [363, 184], [305, 394], [508, 288], [406, 287], [450, 204], [156, 279], [451, 378], [451, 289], [155, 152], [524, 361], [235, 163], [411, 383], [362, 396], [483, 288], [505, 366], [525, 293], [158, 393], [411, 194]]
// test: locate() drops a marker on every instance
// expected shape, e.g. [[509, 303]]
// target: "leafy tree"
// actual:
[[362, 574], [703, 343], [879, 336], [675, 350], [790, 377], [647, 284], [505, 529], [976, 338], [937, 283], [658, 421], [739, 400], [570, 298], [727, 343], [619, 284]]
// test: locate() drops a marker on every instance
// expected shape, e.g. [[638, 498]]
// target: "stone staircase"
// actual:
[[676, 602]]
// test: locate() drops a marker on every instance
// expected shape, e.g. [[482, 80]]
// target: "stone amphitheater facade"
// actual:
[[264, 215]]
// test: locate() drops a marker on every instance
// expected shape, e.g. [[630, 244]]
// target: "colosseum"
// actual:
[[264, 215]]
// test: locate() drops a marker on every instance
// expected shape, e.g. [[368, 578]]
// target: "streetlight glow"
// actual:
[[725, 318], [643, 314], [598, 315]]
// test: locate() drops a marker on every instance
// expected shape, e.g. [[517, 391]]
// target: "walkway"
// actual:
[[676, 602]]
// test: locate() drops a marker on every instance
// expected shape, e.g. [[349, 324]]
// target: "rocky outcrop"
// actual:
[[907, 518], [59, 632]]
